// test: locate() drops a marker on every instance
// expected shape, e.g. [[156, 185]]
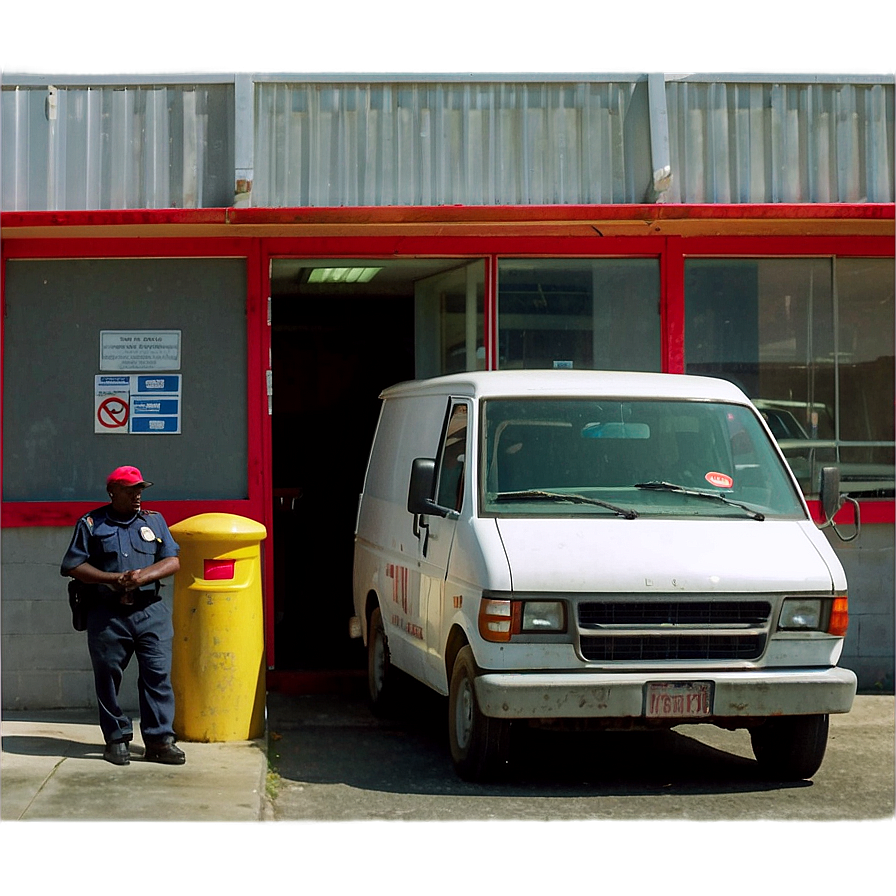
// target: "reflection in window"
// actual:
[[453, 456], [811, 342], [598, 314], [449, 320]]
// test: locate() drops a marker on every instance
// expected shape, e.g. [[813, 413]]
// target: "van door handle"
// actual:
[[419, 526]]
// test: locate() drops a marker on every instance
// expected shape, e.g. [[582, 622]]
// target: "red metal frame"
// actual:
[[647, 215], [258, 235], [794, 246], [259, 436]]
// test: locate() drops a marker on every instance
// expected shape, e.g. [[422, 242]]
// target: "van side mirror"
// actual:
[[421, 488], [829, 492], [829, 495]]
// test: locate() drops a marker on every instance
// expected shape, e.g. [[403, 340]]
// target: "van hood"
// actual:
[[664, 555]]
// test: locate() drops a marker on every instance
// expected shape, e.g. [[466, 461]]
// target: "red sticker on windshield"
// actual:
[[719, 480]]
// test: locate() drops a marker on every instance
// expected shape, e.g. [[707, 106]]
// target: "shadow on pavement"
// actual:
[[336, 739], [31, 745]]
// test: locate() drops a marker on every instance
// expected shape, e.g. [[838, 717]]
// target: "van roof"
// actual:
[[507, 383]]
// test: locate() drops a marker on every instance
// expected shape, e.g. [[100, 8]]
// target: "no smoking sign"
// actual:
[[112, 405], [113, 413]]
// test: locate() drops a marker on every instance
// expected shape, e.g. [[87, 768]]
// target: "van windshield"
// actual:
[[630, 458]]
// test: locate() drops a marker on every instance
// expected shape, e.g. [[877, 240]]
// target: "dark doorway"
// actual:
[[330, 359], [334, 347]]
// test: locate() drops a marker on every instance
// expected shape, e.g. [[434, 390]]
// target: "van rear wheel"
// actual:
[[380, 672], [790, 748], [479, 743]]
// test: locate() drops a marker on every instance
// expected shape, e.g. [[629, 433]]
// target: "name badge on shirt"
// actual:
[[147, 534]]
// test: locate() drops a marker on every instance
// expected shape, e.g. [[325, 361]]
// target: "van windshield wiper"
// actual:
[[559, 496], [658, 485]]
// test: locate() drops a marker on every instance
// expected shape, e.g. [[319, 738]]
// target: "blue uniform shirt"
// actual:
[[113, 545]]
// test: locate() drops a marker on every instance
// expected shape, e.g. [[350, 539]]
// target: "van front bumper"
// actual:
[[586, 695]]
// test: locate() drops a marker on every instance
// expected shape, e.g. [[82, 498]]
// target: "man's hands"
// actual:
[[137, 578], [129, 580], [119, 581]]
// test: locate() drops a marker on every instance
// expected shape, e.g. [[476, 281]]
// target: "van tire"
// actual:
[[380, 672], [479, 743], [790, 748]]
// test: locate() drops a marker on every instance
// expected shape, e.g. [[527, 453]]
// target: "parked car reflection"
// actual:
[[864, 471]]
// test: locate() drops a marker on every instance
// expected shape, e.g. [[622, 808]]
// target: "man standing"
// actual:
[[123, 551]]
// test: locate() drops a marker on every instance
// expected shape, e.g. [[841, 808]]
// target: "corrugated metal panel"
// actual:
[[401, 140], [97, 147], [780, 142], [380, 144]]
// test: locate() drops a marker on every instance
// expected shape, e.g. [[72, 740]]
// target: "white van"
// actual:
[[625, 548]]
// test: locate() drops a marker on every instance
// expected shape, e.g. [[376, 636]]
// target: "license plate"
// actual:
[[678, 700]]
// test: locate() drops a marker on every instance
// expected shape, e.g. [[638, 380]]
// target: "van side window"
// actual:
[[452, 457]]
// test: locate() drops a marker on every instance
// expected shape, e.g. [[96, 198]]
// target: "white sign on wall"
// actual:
[[140, 350]]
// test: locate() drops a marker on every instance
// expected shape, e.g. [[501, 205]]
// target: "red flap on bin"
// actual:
[[215, 570]]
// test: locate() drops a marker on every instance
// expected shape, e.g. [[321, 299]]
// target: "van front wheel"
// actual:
[[479, 743], [380, 673], [790, 748]]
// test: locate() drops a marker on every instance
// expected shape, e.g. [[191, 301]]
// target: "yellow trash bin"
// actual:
[[218, 667]]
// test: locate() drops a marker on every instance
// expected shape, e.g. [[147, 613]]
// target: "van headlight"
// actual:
[[502, 618], [820, 614], [801, 613], [543, 616]]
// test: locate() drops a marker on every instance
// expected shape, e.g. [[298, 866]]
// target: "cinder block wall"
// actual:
[[869, 564], [45, 663]]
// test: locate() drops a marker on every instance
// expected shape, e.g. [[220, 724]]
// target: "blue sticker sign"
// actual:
[[157, 384], [155, 425], [154, 407]]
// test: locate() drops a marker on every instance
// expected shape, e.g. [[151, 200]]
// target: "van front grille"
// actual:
[[634, 631], [672, 647], [698, 612]]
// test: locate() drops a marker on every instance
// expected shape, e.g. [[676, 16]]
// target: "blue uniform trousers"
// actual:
[[114, 635]]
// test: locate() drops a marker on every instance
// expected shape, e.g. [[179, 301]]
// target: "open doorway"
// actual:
[[337, 340]]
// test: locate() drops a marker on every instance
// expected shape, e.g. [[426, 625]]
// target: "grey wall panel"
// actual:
[[55, 310]]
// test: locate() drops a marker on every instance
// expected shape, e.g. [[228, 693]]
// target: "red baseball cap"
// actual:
[[127, 475]]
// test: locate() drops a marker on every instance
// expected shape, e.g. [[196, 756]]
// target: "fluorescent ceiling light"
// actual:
[[342, 275]]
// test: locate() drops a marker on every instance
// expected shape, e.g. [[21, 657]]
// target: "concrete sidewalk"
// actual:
[[52, 769]]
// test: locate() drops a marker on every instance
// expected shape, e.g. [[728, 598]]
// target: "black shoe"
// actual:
[[117, 753], [165, 752]]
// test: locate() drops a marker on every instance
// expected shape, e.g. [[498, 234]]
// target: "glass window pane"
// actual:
[[769, 325], [766, 325], [591, 456], [452, 459], [598, 314], [865, 310], [449, 320]]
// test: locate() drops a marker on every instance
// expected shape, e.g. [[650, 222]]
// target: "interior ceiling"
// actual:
[[397, 276]]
